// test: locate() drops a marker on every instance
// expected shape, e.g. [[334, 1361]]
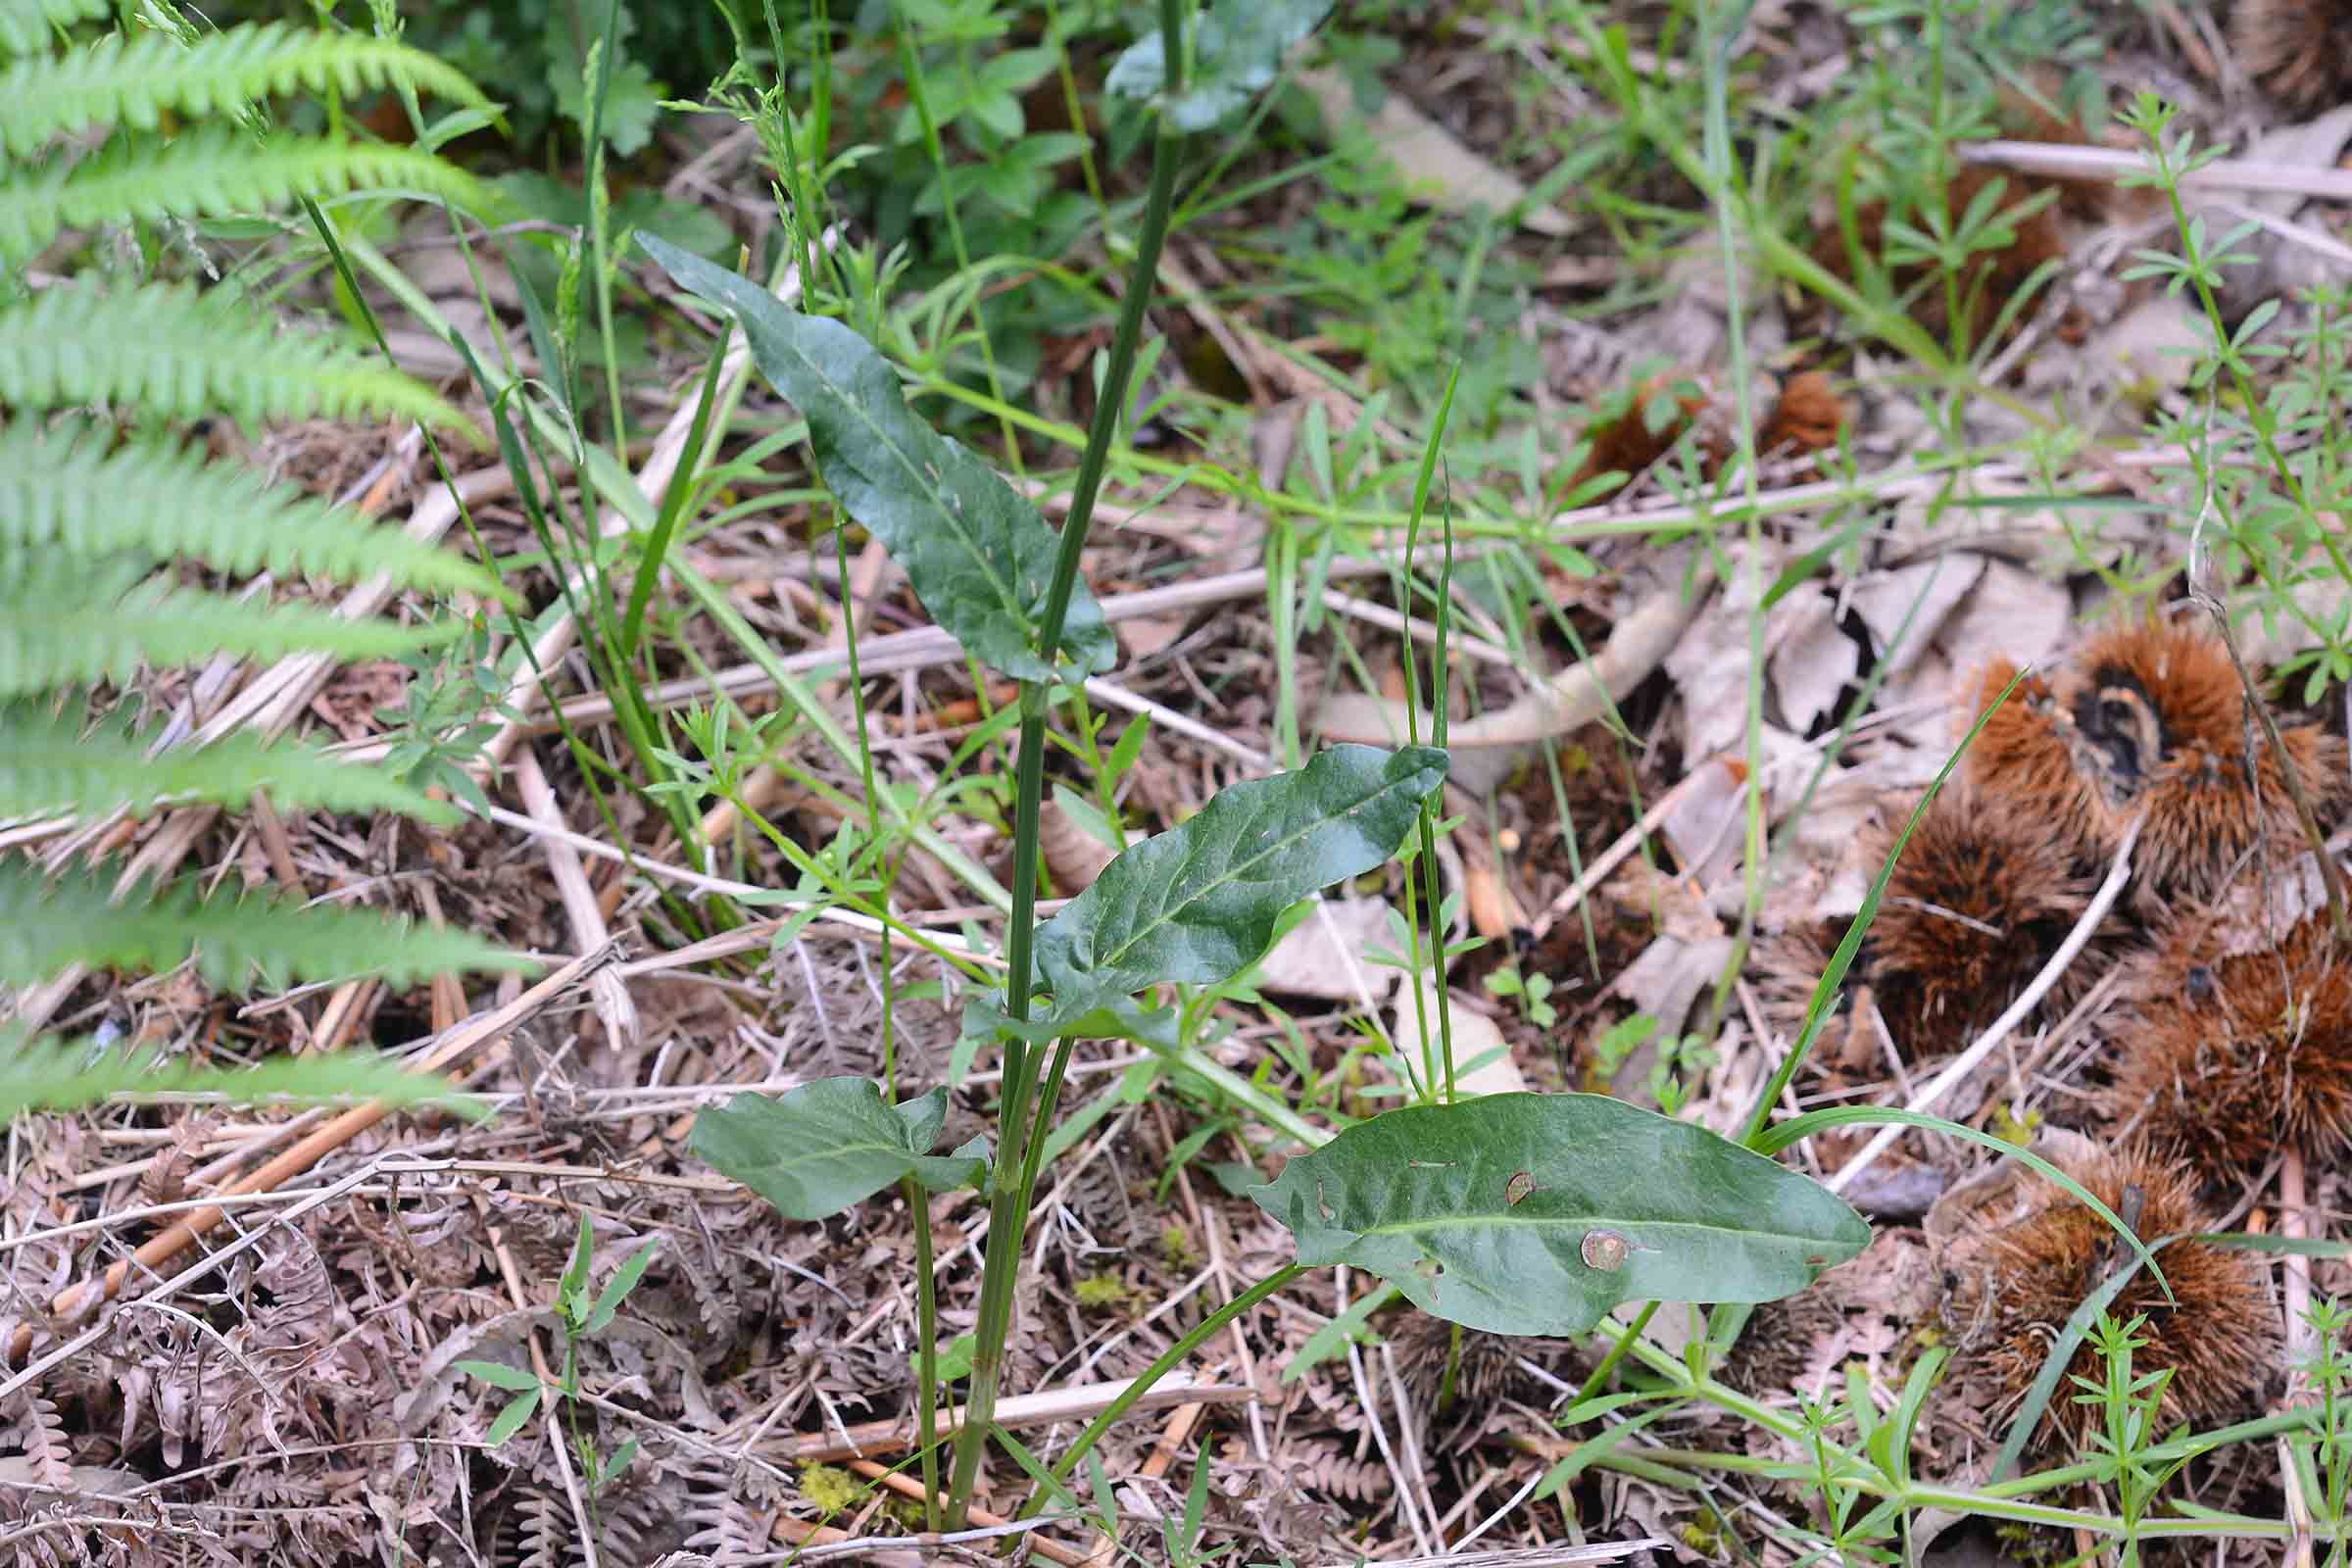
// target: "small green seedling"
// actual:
[[583, 1317]]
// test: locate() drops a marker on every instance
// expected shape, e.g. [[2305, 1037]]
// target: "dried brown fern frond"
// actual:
[[2014, 1285], [2222, 1059]]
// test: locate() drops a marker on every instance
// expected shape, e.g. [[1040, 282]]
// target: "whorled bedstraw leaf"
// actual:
[[814, 1150], [978, 555], [1537, 1213], [1236, 52], [1198, 903]]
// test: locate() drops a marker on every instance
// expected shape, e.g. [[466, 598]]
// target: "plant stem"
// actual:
[[1168, 1363], [1008, 1213]]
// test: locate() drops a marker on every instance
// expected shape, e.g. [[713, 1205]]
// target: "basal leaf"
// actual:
[[814, 1150], [1197, 903], [1537, 1213], [1236, 53], [978, 555]]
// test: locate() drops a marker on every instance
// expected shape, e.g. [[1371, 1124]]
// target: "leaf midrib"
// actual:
[[956, 525], [1233, 872]]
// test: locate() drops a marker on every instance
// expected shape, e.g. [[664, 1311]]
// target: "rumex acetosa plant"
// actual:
[[1522, 1214], [112, 144]]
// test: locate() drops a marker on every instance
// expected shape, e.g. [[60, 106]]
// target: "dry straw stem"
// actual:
[[2059, 161], [2153, 721], [2018, 1283], [1023, 1410], [268, 706], [2225, 1058], [905, 1485], [479, 1030], [1570, 699]]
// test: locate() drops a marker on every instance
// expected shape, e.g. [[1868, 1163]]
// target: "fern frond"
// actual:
[[67, 619], [50, 765], [187, 354], [48, 1074], [48, 926], [27, 24], [213, 172], [135, 81], [62, 488]]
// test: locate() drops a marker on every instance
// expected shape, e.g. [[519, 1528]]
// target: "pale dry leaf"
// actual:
[[2010, 613], [1667, 903], [1475, 1035], [2315, 143], [2273, 635], [1812, 657], [1142, 636], [1437, 168], [1322, 958], [1664, 983], [1905, 609], [1710, 658], [1707, 823], [2157, 342]]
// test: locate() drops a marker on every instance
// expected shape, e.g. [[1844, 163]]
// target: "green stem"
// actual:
[[1007, 1215], [1175, 1356], [926, 1347]]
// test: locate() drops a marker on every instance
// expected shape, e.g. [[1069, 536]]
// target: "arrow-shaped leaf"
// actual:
[[1537, 1213], [814, 1150], [1197, 903], [978, 555]]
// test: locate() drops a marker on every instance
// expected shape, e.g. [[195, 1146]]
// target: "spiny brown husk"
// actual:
[[2013, 1287], [1488, 1371], [1805, 416], [1979, 899], [2152, 717], [2225, 1058], [2299, 50]]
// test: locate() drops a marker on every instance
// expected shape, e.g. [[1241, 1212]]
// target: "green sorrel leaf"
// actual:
[[978, 555], [1198, 903], [1234, 55], [1537, 1213], [817, 1149]]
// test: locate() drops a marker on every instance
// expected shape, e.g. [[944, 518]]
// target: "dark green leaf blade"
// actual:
[[978, 555], [814, 1150], [1234, 55], [1485, 1213], [513, 1379], [1197, 903]]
